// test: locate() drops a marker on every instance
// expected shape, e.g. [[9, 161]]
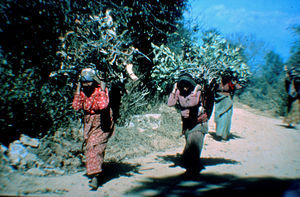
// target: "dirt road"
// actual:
[[262, 158]]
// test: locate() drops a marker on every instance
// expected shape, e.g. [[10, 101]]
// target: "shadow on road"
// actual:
[[217, 185], [176, 160], [217, 138], [288, 126], [112, 170]]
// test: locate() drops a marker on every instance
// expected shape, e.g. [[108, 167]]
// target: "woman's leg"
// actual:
[[227, 123], [192, 151], [95, 151], [94, 181]]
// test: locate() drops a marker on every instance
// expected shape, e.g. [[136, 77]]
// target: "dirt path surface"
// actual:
[[262, 158]]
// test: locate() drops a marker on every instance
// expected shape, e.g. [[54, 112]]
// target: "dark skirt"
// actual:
[[193, 147]]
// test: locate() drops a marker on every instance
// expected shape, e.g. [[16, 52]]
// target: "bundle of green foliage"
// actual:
[[211, 61], [95, 43]]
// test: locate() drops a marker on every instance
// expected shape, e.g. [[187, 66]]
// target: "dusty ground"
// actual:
[[262, 158]]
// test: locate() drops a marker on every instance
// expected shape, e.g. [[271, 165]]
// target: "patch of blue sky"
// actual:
[[269, 20]]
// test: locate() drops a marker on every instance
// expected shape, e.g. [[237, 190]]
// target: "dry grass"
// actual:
[[141, 137]]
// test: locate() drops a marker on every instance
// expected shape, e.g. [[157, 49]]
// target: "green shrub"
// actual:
[[214, 59]]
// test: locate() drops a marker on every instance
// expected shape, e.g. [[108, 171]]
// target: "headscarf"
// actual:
[[89, 75], [186, 78]]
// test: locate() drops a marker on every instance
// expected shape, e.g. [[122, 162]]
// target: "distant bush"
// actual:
[[266, 89]]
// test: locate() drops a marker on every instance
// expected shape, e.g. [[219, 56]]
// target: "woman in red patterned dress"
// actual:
[[93, 99]]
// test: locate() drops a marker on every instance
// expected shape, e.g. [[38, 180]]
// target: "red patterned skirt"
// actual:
[[96, 139]]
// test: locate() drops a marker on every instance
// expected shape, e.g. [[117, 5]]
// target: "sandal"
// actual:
[[94, 183]]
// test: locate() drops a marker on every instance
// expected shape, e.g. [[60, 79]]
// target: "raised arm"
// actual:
[[173, 98], [77, 101]]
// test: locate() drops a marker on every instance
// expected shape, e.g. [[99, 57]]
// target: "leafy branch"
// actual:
[[94, 42], [211, 61]]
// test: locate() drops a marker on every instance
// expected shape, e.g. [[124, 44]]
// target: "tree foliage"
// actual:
[[294, 60], [266, 88], [29, 31], [214, 59]]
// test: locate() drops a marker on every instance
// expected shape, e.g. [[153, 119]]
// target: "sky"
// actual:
[[268, 20]]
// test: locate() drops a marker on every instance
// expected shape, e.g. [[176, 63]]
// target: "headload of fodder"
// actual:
[[94, 42], [210, 62]]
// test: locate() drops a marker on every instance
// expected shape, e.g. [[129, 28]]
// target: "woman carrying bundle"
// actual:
[[92, 97]]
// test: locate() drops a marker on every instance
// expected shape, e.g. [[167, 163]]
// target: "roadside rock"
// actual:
[[16, 152], [3, 149], [30, 161], [24, 139], [73, 162], [54, 171], [20, 157], [5, 168], [55, 161], [146, 122], [36, 172]]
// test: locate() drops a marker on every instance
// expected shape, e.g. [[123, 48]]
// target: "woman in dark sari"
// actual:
[[187, 94], [292, 86]]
